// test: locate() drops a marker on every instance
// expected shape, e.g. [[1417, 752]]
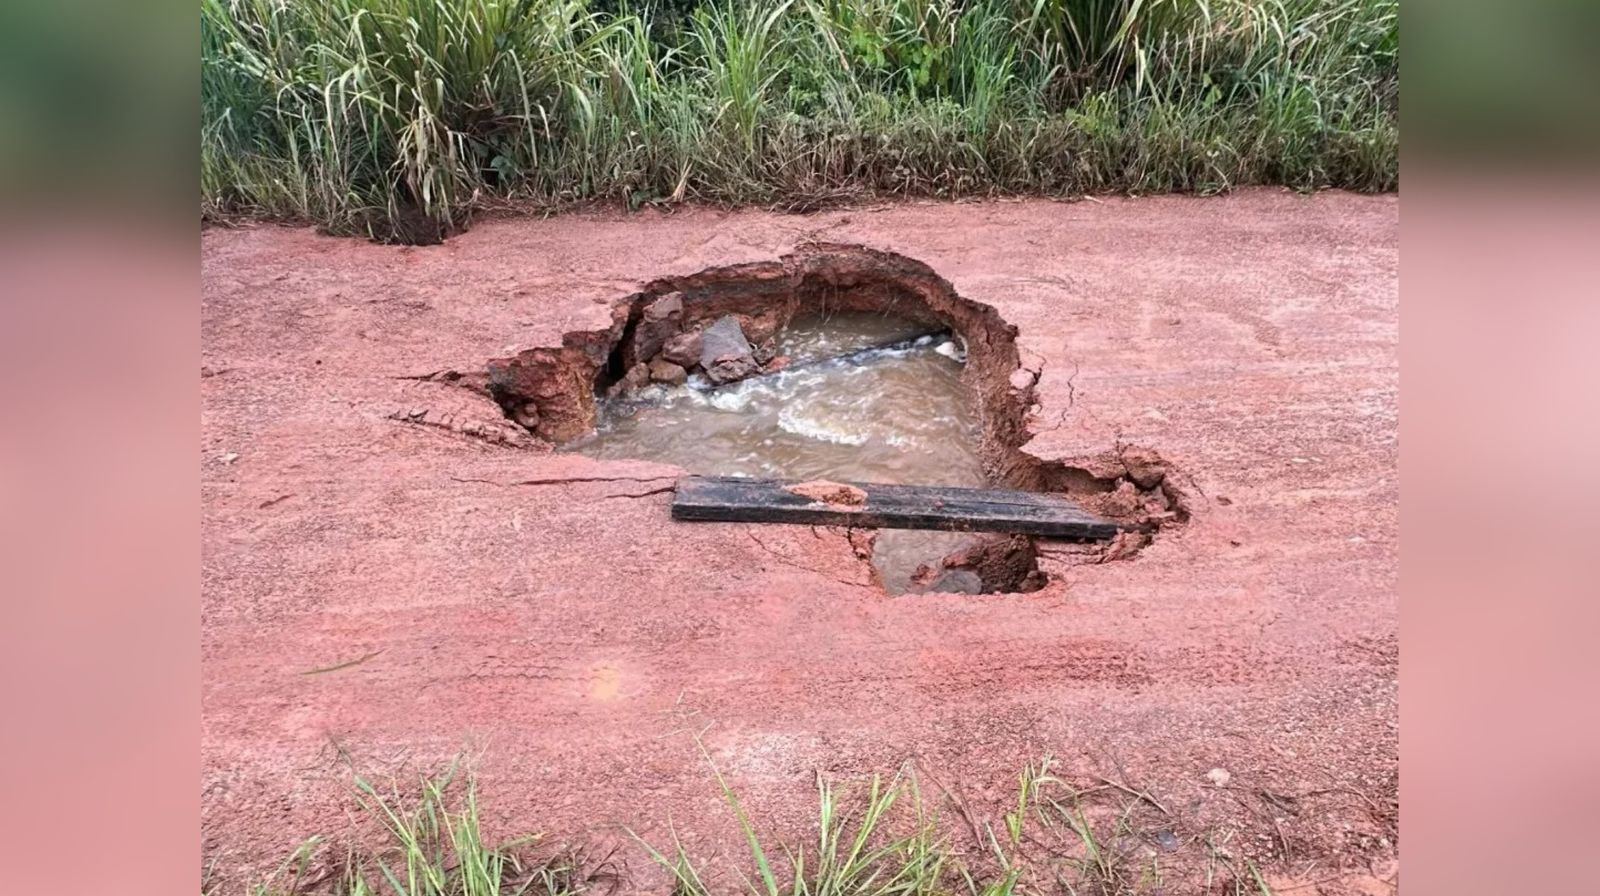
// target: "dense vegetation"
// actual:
[[399, 117]]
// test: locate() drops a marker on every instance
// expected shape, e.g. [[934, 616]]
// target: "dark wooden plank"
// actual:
[[737, 499]]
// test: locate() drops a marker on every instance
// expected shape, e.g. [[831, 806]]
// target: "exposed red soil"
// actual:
[[540, 612]]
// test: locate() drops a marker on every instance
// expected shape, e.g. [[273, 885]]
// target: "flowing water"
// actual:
[[898, 415]]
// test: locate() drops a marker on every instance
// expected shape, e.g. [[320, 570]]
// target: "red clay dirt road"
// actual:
[[572, 639]]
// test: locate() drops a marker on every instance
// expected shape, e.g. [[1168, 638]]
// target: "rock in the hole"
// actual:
[[683, 349], [637, 377], [527, 416], [662, 319], [948, 581], [725, 353], [664, 371]]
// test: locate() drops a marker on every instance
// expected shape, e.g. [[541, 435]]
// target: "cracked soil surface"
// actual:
[[540, 613]]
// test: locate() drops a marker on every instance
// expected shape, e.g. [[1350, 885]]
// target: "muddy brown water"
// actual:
[[891, 415]]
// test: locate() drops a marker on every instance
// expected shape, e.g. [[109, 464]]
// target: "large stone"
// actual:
[[683, 349], [661, 320], [725, 353]]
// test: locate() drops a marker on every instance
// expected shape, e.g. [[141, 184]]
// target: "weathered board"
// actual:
[[740, 500]]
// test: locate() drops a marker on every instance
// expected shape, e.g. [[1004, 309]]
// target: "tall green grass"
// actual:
[[399, 118]]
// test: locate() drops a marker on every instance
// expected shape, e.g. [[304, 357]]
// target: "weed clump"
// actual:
[[881, 837], [432, 845]]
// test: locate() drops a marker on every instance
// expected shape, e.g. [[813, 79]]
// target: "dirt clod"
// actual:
[[1145, 467], [1123, 502], [1001, 563], [663, 371], [836, 493], [1124, 545]]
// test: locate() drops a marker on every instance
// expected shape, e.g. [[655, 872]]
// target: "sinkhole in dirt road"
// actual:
[[834, 362]]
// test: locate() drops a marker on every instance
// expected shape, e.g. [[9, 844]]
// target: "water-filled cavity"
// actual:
[[838, 410]]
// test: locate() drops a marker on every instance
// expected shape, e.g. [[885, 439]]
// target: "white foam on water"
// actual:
[[790, 421], [730, 400]]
